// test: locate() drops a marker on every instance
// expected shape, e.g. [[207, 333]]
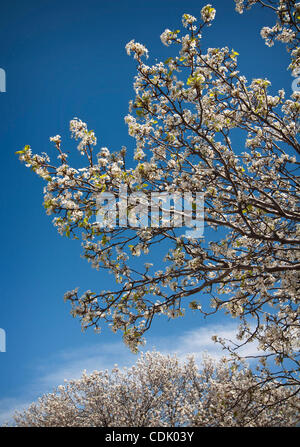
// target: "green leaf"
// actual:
[[140, 113]]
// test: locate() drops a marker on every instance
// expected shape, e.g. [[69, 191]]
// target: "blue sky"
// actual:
[[66, 59]]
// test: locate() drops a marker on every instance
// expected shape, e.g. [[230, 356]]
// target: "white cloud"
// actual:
[[71, 364], [199, 341]]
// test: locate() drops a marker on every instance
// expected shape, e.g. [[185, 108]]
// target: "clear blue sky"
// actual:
[[64, 59]]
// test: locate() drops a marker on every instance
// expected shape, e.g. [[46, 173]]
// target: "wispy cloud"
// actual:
[[70, 364], [196, 342]]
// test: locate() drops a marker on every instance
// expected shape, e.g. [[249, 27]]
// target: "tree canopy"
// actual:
[[187, 115], [161, 391]]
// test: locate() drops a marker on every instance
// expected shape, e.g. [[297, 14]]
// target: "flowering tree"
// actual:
[[160, 391], [185, 115]]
